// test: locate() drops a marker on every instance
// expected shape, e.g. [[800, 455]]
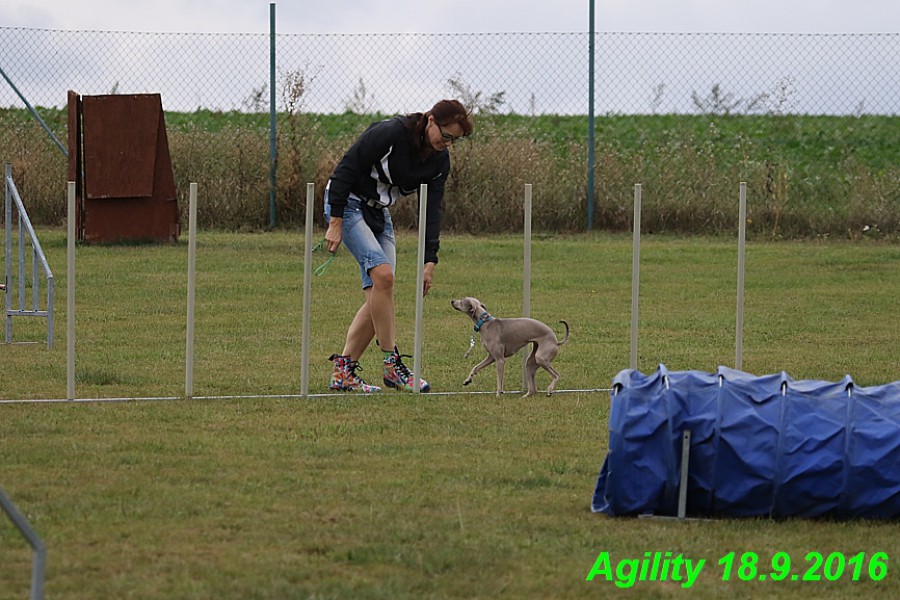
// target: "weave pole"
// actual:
[[635, 274], [739, 320], [420, 286], [526, 281], [70, 295], [307, 289], [191, 293]]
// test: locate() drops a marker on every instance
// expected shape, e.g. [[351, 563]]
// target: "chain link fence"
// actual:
[[817, 138], [523, 73]]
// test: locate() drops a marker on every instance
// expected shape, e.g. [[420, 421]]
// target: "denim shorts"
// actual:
[[369, 249]]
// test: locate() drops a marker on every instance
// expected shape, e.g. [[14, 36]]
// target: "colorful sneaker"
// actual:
[[344, 377], [396, 375]]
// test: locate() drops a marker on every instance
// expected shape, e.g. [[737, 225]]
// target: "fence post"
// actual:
[[591, 159], [273, 148]]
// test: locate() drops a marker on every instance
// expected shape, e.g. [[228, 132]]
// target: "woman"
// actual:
[[390, 159]]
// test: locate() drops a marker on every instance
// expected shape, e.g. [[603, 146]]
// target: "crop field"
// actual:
[[808, 176], [253, 492]]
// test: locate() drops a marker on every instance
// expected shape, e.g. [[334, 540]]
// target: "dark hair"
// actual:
[[445, 112]]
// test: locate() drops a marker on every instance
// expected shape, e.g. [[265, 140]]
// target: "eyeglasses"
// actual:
[[446, 136]]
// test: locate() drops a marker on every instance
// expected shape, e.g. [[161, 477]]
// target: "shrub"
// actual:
[[806, 176]]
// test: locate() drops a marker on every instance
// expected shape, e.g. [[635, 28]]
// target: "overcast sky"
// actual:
[[457, 16]]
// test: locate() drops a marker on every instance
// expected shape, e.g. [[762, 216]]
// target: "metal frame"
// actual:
[[28, 532], [681, 514], [37, 258]]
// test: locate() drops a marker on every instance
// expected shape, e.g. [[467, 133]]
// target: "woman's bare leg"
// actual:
[[375, 318]]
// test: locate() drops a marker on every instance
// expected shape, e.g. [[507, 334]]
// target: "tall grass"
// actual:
[[807, 176]]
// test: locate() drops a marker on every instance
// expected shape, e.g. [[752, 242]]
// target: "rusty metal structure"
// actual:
[[119, 160]]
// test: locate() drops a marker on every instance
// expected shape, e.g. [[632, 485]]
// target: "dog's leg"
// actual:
[[544, 360], [531, 367], [555, 377], [488, 360], [553, 374], [501, 363]]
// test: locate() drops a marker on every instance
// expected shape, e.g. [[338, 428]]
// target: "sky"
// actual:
[[657, 71], [457, 16]]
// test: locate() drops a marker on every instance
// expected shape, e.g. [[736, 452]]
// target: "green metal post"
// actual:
[[273, 149], [590, 173]]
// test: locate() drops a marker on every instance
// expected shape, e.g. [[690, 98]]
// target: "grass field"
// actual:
[[451, 495]]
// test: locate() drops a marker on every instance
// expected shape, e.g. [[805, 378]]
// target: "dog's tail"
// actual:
[[566, 337]]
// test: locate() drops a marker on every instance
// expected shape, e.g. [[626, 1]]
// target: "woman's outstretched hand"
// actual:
[[334, 234]]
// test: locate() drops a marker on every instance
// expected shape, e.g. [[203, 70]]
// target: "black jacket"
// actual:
[[383, 165]]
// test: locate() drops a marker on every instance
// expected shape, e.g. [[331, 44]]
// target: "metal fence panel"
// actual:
[[533, 73]]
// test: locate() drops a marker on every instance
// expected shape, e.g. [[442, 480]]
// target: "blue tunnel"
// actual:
[[759, 446]]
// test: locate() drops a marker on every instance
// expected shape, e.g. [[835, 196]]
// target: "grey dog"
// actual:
[[504, 337]]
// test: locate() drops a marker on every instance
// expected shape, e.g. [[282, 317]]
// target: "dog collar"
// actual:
[[484, 318]]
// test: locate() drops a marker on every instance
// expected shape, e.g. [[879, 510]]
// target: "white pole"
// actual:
[[420, 285], [191, 293], [526, 285], [307, 289], [635, 274], [742, 235], [70, 296]]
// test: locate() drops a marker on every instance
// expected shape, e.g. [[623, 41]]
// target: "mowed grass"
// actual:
[[451, 495]]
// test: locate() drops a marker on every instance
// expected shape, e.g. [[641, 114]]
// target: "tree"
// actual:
[[473, 100], [717, 102], [362, 102], [256, 101], [294, 85], [658, 93]]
